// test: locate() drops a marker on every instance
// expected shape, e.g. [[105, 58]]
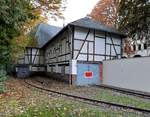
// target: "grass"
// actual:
[[61, 108], [107, 95], [3, 78], [23, 102], [44, 107]]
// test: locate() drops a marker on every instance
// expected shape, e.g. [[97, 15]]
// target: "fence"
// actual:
[[131, 73]]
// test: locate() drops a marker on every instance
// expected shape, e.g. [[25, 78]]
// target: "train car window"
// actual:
[[145, 46], [134, 47], [139, 47]]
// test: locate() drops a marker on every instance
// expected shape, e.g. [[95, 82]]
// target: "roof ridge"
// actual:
[[88, 22]]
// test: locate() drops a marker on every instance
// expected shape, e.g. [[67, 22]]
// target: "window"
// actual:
[[63, 70], [145, 46], [148, 43], [134, 47], [139, 47]]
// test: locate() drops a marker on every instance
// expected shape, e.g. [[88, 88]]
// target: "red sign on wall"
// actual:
[[88, 74]]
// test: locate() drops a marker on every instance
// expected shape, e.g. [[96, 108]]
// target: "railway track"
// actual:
[[125, 91], [120, 90], [88, 100]]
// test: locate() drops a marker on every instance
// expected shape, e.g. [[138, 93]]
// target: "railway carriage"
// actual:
[[76, 52]]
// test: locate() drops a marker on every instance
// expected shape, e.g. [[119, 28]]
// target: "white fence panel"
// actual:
[[131, 73]]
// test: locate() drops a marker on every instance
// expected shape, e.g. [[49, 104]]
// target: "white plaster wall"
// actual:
[[84, 49], [57, 48], [77, 44], [36, 60], [26, 58], [99, 46], [91, 47], [67, 69], [81, 33], [116, 40], [48, 68], [73, 67], [131, 73], [99, 58], [41, 59], [59, 69], [38, 69], [82, 57]]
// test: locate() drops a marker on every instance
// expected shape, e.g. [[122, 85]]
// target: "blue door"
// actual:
[[88, 74]]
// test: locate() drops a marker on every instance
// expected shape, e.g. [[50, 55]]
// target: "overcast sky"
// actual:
[[76, 9]]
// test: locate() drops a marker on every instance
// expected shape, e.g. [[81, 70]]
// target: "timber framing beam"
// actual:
[[83, 43]]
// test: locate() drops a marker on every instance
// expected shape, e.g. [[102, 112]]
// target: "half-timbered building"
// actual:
[[32, 60], [75, 53]]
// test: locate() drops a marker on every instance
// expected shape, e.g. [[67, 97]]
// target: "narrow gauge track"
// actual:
[[121, 90], [88, 100], [128, 92]]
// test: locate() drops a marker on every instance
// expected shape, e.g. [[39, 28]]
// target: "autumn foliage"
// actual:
[[128, 50], [106, 12]]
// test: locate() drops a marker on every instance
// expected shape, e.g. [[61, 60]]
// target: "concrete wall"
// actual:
[[131, 73]]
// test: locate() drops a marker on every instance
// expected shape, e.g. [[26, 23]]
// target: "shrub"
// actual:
[[3, 77]]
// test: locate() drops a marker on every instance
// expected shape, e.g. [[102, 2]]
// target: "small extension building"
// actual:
[[76, 52], [32, 60]]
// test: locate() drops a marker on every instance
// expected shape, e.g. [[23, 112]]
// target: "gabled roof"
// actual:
[[45, 33], [87, 22]]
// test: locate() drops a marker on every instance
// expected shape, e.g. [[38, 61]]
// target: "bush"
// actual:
[[3, 77]]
